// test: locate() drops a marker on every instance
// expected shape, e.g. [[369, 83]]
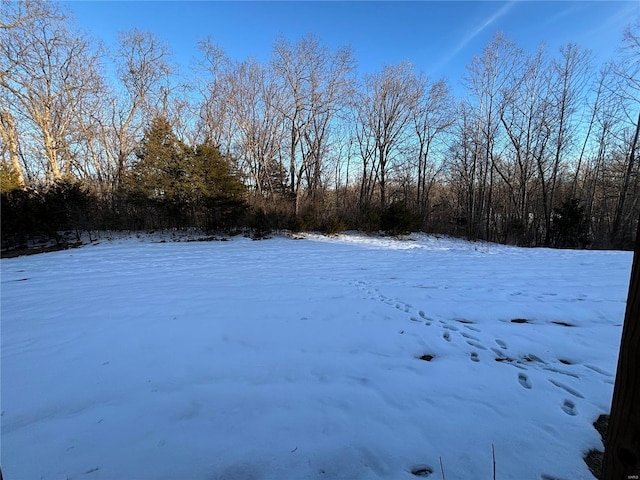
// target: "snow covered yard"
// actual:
[[300, 359]]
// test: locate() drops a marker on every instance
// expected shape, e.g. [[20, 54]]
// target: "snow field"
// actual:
[[300, 359]]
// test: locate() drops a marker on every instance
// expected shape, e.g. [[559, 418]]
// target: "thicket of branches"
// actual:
[[542, 149]]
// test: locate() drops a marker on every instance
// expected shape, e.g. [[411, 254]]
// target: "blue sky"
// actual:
[[439, 37]]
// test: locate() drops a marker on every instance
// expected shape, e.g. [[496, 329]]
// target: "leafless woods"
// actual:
[[541, 148]]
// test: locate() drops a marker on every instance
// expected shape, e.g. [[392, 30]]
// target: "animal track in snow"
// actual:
[[468, 336], [404, 308], [502, 344], [499, 353], [566, 388], [561, 372], [598, 370], [475, 329], [476, 344], [524, 381], [568, 407], [474, 357], [446, 336], [508, 361], [563, 324], [533, 358]]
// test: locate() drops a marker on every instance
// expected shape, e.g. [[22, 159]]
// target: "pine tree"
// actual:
[[162, 171], [185, 183], [219, 187]]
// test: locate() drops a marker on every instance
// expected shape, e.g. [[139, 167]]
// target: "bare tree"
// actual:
[[143, 64], [486, 79], [524, 117], [628, 71], [432, 118], [13, 15], [47, 73], [567, 78], [594, 108], [462, 167], [16, 13], [596, 167], [211, 84], [317, 83], [255, 113], [385, 112]]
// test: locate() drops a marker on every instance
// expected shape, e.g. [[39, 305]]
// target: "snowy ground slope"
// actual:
[[299, 359]]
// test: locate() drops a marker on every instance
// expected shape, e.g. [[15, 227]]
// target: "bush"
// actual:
[[568, 228], [302, 223], [9, 179], [224, 212], [44, 211], [369, 219], [334, 225], [398, 219]]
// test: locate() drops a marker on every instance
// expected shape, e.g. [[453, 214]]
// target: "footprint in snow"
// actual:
[[446, 336], [474, 357], [421, 470], [524, 381], [568, 407]]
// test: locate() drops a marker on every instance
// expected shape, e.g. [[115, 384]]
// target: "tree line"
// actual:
[[541, 149]]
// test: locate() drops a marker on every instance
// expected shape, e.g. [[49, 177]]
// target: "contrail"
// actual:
[[465, 41]]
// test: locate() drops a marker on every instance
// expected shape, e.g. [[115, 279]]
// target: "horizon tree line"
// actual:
[[540, 150]]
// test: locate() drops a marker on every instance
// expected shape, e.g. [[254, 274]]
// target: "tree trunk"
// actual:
[[622, 449], [10, 137], [51, 150], [617, 221]]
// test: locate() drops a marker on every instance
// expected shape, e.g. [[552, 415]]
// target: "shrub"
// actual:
[[398, 219], [334, 225], [44, 211]]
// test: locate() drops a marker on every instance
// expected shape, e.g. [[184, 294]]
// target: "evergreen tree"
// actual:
[[162, 172], [9, 178], [218, 187], [185, 183], [568, 228]]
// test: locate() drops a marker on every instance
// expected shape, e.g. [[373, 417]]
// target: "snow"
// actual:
[[299, 359]]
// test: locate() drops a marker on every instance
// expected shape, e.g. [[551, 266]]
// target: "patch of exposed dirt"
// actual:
[[593, 458]]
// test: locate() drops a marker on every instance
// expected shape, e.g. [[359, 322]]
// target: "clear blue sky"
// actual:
[[439, 37]]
